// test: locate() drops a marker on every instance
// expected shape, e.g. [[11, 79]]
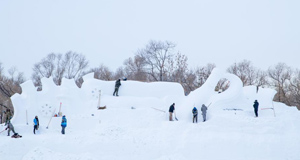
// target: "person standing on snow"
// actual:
[[255, 106], [8, 116], [10, 127], [63, 124], [117, 85], [203, 109], [36, 124], [195, 114], [171, 110]]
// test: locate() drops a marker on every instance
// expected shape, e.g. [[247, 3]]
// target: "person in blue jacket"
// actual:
[[36, 123], [63, 124], [195, 114]]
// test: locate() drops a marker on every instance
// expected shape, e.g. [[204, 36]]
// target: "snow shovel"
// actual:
[[175, 116]]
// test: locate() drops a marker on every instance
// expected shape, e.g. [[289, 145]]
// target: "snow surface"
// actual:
[[135, 125]]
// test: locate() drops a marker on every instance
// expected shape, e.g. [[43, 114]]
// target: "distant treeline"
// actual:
[[157, 61]]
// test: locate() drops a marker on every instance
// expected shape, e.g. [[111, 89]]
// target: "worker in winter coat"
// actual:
[[36, 123], [203, 109], [117, 85], [255, 106], [63, 124], [171, 110], [8, 116], [10, 127], [195, 115]]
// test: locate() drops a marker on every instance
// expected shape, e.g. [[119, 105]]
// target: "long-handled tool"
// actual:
[[51, 118], [175, 116]]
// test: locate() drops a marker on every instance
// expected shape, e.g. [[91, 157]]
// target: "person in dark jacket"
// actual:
[[8, 116], [203, 109], [171, 110], [255, 106], [117, 85], [195, 115], [10, 127], [63, 124], [36, 123]]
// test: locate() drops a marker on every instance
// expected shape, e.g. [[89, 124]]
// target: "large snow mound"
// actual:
[[135, 125]]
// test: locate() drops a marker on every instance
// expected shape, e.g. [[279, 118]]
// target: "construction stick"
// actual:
[[209, 104], [159, 109], [99, 98], [26, 118], [3, 131], [60, 107], [51, 118]]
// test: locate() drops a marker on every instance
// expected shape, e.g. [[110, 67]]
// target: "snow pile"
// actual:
[[135, 125]]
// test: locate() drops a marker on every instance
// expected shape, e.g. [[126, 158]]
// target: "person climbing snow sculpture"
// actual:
[[10, 127], [117, 85], [255, 106], [203, 109], [36, 124], [63, 124], [171, 110], [195, 115]]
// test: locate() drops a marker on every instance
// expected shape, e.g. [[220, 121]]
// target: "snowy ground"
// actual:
[[131, 129]]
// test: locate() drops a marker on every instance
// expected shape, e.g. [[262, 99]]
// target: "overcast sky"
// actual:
[[109, 31]]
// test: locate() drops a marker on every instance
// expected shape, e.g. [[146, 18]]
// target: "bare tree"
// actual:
[[9, 85], [294, 88], [180, 68], [71, 65], [261, 78], [135, 68], [189, 82], [75, 66], [59, 69], [280, 76], [120, 73], [245, 71], [102, 72], [157, 55], [203, 73], [222, 85]]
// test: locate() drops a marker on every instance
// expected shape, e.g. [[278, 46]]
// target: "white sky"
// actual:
[[109, 31]]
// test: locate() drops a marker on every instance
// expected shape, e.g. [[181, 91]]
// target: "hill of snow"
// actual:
[[135, 125]]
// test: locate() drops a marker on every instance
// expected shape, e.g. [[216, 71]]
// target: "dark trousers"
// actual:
[[255, 111], [116, 91], [63, 130], [35, 128], [13, 130], [204, 116], [195, 117]]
